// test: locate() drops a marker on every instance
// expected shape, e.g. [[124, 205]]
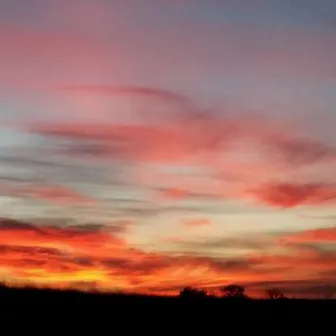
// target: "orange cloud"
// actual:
[[64, 257], [59, 257]]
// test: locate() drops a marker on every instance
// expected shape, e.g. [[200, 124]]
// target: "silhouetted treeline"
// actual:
[[76, 308], [234, 291]]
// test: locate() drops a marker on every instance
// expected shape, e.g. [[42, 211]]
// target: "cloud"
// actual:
[[172, 143], [55, 194], [111, 104], [323, 235], [50, 234], [192, 223], [56, 256], [59, 256], [221, 246], [302, 151], [232, 154], [129, 91], [174, 193], [11, 224], [287, 195], [188, 134], [138, 125], [301, 258]]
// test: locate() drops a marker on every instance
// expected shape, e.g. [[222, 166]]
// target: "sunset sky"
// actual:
[[146, 145]]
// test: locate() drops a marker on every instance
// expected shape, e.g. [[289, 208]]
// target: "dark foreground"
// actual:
[[32, 308]]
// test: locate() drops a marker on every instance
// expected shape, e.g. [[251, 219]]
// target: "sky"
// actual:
[[147, 145]]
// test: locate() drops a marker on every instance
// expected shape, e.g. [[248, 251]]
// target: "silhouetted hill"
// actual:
[[78, 308]]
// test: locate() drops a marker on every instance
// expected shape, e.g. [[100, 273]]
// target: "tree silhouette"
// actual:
[[274, 294], [192, 293], [233, 291]]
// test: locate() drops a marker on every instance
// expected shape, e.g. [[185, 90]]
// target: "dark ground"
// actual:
[[29, 307]]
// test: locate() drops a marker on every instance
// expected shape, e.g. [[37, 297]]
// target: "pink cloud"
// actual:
[[236, 157], [156, 143]]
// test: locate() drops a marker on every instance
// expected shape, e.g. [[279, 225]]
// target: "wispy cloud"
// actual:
[[236, 156], [322, 235], [193, 223], [55, 194], [288, 195]]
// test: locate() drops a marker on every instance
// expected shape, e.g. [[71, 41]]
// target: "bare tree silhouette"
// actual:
[[233, 291]]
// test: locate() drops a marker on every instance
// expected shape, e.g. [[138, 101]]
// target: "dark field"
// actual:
[[31, 306]]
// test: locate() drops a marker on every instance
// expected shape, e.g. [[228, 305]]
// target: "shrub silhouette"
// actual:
[[192, 293], [233, 291]]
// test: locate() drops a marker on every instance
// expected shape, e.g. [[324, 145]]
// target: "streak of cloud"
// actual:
[[322, 235]]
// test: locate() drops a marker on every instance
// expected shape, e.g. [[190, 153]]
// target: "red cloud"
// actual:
[[323, 235], [288, 195]]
